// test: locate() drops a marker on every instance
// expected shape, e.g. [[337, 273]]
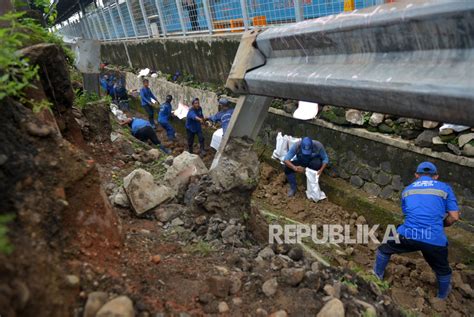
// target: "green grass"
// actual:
[[369, 277], [5, 246]]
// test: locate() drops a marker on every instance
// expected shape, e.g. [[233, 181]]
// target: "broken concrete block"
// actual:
[[184, 166]]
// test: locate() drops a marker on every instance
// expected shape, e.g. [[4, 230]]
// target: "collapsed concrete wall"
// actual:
[[187, 55], [378, 164]]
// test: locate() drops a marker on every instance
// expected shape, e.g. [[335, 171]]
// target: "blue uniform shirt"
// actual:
[[317, 151], [138, 123], [192, 124], [425, 203], [165, 113], [224, 117], [146, 95]]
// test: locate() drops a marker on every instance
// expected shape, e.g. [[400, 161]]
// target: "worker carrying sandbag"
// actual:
[[428, 205], [306, 153]]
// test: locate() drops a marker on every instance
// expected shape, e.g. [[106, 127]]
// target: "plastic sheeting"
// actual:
[[306, 110], [455, 127]]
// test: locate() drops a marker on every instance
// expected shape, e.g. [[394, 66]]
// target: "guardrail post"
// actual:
[[207, 13], [132, 19], [299, 13], [145, 18], [113, 21], [162, 18], [121, 19], [245, 16], [180, 14]]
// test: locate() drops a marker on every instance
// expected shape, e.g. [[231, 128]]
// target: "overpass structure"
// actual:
[[409, 58]]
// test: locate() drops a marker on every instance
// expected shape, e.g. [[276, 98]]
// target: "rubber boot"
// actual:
[[292, 181], [381, 262], [202, 152], [444, 285]]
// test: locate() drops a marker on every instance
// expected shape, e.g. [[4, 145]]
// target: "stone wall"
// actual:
[[190, 55], [184, 94], [380, 165]]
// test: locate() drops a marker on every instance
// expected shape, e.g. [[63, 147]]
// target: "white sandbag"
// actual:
[[217, 138], [455, 127], [306, 110], [313, 191], [182, 111], [281, 147], [143, 72], [292, 141]]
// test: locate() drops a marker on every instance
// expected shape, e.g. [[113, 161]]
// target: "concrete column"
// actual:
[[207, 13], [247, 120], [181, 17], [245, 16], [299, 10], [162, 17]]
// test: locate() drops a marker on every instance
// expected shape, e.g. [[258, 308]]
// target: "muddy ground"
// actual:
[[76, 242]]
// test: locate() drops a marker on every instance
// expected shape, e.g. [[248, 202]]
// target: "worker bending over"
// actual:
[[224, 115], [308, 153], [428, 206], [142, 130]]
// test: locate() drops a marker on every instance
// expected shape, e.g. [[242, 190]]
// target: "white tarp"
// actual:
[[182, 111], [313, 191], [217, 138], [306, 110]]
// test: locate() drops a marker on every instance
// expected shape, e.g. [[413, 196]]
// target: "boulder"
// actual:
[[292, 276], [465, 138], [468, 150], [430, 124], [425, 139], [355, 116], [372, 189], [142, 191], [376, 119], [121, 199], [356, 181], [333, 308], [183, 168], [219, 286], [121, 306], [270, 287], [95, 301]]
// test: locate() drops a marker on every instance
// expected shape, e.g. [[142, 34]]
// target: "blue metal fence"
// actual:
[[127, 19]]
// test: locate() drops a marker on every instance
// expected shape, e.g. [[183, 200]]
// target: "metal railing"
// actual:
[[130, 19]]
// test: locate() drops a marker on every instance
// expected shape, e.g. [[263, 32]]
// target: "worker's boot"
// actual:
[[202, 152], [381, 262], [444, 285], [292, 181]]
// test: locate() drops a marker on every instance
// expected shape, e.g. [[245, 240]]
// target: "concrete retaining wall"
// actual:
[[378, 164], [190, 55], [184, 94]]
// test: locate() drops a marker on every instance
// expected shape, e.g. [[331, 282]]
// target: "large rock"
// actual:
[[355, 116], [169, 212], [372, 189], [270, 287], [142, 191], [121, 199], [425, 139], [333, 308], [121, 306], [468, 150], [183, 168], [292, 276], [430, 124], [376, 119], [465, 138], [95, 301], [227, 188]]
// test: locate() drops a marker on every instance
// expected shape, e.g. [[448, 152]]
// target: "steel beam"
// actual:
[[411, 59]]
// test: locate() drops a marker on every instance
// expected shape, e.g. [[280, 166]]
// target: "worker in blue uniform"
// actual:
[[224, 115], [164, 117], [146, 97], [428, 206], [142, 130], [305, 153], [194, 120]]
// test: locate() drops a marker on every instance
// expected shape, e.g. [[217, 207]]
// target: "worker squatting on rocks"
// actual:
[[428, 206], [146, 97], [309, 153], [142, 130], [164, 116], [194, 120], [224, 115]]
